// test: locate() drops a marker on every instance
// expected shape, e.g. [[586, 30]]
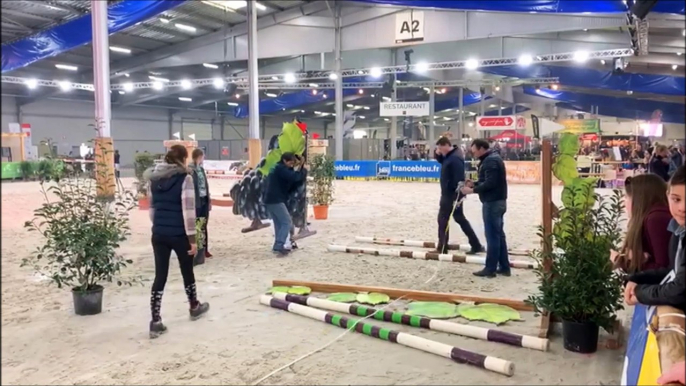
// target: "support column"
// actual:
[[482, 110], [222, 125], [460, 126], [338, 132], [394, 123], [170, 123], [254, 143], [104, 148], [432, 118], [322, 61]]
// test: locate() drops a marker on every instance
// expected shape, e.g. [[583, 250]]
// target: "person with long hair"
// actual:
[[646, 245], [659, 162], [203, 202], [172, 212]]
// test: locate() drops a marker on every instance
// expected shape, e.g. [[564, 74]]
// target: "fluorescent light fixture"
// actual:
[[164, 20], [446, 118], [184, 27], [313, 85], [525, 60], [165, 80], [31, 83], [443, 91], [210, 65], [426, 89], [324, 95], [218, 82], [602, 61], [333, 76], [350, 106], [318, 112], [238, 96], [471, 64], [422, 67], [554, 86], [186, 84], [66, 67], [289, 78], [302, 111], [275, 78], [679, 53], [372, 95], [491, 106], [128, 87], [366, 107], [314, 92], [232, 5], [360, 91], [386, 119], [271, 95], [127, 75], [585, 29], [375, 72], [121, 92], [387, 99], [120, 49], [581, 56], [674, 66], [358, 134], [361, 116], [157, 85], [65, 86], [683, 32], [185, 99], [234, 104]]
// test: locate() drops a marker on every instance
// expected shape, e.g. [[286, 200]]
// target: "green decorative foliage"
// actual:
[[291, 140], [564, 168], [577, 193], [272, 158], [323, 174], [28, 169], [569, 144], [298, 290], [342, 297], [434, 310], [487, 312], [373, 298], [142, 162], [278, 289]]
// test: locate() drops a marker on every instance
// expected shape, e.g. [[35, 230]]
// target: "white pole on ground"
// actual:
[[338, 92], [101, 67], [432, 118]]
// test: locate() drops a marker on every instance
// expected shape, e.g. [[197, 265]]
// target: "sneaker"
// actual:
[[199, 310], [484, 273], [157, 329], [504, 272], [475, 251]]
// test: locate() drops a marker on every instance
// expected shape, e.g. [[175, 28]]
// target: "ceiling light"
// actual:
[[683, 32], [238, 96], [525, 60], [232, 5], [127, 75], [366, 107], [302, 111], [350, 106], [426, 89], [314, 92], [674, 66], [581, 56], [318, 112], [31, 83], [271, 95], [375, 72], [232, 104], [333, 76], [491, 106], [121, 92], [165, 21], [678, 54], [313, 85], [471, 64], [471, 124], [157, 85], [361, 72], [602, 61], [629, 92], [120, 49], [65, 86], [128, 87], [289, 78], [66, 67], [585, 29], [186, 84], [165, 80], [360, 91], [443, 91], [324, 95], [422, 67], [210, 65], [185, 99], [361, 116], [386, 99], [554, 86], [497, 88], [218, 82], [446, 118], [386, 119], [184, 27], [275, 78]]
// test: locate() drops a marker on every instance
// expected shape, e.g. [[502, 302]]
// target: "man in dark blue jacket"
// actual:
[[492, 190], [280, 182], [452, 173]]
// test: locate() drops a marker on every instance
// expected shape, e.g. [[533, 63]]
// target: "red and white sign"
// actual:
[[505, 122]]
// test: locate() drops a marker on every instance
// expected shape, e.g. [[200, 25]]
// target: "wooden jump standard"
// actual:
[[457, 354], [475, 332], [452, 257], [395, 293], [428, 244]]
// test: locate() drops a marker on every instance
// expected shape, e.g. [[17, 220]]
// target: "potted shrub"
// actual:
[[200, 224], [581, 287], [81, 235], [323, 174], [28, 170], [143, 162]]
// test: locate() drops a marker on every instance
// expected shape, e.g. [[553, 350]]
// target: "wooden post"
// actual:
[[254, 152], [546, 217], [104, 168]]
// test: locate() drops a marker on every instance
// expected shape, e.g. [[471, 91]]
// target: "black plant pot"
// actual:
[[199, 257], [580, 337], [88, 302]]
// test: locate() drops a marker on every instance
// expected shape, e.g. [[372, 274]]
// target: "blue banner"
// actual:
[[388, 169]]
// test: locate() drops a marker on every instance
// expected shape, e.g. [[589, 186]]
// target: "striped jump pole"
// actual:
[[452, 257], [455, 353], [428, 244], [475, 332]]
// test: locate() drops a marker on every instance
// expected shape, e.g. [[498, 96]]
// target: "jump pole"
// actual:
[[475, 332], [457, 354], [428, 244], [451, 257]]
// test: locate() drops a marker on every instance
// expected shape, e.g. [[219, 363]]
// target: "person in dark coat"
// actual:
[[492, 190], [452, 173], [659, 162], [203, 201]]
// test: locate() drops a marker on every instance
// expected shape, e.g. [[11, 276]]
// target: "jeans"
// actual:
[[282, 224], [445, 206], [496, 242]]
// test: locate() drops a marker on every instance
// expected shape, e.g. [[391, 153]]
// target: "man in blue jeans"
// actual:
[[280, 182], [492, 190]]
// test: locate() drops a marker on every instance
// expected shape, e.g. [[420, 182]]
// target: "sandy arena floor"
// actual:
[[240, 341]]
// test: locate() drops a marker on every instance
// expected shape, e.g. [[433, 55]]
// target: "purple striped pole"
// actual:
[[455, 353]]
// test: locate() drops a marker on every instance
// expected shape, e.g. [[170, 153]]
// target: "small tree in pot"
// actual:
[[323, 174], [581, 287], [81, 236], [142, 162]]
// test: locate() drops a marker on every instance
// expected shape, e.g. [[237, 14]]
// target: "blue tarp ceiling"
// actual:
[[542, 6], [78, 32], [629, 108], [589, 78]]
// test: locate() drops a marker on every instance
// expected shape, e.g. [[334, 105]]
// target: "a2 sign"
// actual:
[[409, 27]]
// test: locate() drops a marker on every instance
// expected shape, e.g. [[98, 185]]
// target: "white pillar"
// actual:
[[432, 118], [460, 126], [394, 122], [338, 132], [101, 68], [253, 92]]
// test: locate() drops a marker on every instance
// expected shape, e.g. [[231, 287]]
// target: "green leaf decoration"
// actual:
[[373, 298], [434, 310], [291, 139], [278, 289], [564, 169], [569, 144], [297, 290], [273, 156], [343, 297], [487, 312], [579, 193]]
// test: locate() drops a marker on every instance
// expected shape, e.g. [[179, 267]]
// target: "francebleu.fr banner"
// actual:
[[388, 169]]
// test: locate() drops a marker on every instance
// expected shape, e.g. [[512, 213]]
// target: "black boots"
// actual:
[[196, 310]]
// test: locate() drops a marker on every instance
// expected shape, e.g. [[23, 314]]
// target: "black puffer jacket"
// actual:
[[452, 172], [492, 184]]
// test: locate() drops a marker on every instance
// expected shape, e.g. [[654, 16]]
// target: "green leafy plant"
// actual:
[[488, 312], [81, 234], [372, 298], [142, 162], [291, 140], [49, 169], [27, 169], [342, 297], [434, 310], [581, 285], [323, 174]]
